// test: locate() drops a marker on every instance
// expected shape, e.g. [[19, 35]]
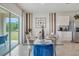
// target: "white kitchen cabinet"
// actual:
[[63, 20], [65, 35], [76, 37]]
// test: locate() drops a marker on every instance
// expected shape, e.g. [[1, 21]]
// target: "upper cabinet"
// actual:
[[63, 20]]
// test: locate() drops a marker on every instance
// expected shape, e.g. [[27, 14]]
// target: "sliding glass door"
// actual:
[[14, 25], [4, 34], [9, 31]]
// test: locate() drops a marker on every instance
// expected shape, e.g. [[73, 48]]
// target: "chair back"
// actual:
[[2, 39], [27, 39], [6, 37]]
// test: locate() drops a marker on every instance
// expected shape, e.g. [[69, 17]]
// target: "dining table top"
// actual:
[[47, 40], [42, 41]]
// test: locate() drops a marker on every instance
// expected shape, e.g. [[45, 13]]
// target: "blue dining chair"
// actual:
[[2, 39], [6, 37]]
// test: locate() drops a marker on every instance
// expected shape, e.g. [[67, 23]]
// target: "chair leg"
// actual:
[[30, 50], [5, 44], [55, 50]]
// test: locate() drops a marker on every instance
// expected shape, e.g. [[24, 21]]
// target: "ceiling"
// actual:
[[3, 10], [49, 7]]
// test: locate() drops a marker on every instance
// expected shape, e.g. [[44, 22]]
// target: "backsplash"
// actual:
[[63, 28]]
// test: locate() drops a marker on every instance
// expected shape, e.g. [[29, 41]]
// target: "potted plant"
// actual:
[[76, 16], [30, 30], [27, 33]]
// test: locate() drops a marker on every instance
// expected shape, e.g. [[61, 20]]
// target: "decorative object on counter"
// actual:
[[63, 28], [76, 16]]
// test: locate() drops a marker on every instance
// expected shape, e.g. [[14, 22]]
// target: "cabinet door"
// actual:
[[59, 35], [64, 20], [65, 36], [76, 36]]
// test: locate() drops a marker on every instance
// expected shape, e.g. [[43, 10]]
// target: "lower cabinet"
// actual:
[[65, 35], [75, 36]]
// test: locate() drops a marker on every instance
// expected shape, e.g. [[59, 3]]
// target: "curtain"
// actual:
[[28, 21], [52, 22]]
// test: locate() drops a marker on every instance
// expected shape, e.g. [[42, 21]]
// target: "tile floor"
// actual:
[[68, 49], [4, 48], [62, 49], [20, 50]]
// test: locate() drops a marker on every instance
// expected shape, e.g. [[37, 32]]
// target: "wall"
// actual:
[[36, 30]]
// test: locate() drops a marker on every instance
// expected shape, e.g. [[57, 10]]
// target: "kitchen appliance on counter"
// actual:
[[63, 28], [77, 29]]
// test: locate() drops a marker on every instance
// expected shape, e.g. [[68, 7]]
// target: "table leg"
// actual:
[[55, 47]]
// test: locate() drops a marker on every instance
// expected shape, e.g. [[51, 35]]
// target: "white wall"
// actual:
[[36, 30]]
